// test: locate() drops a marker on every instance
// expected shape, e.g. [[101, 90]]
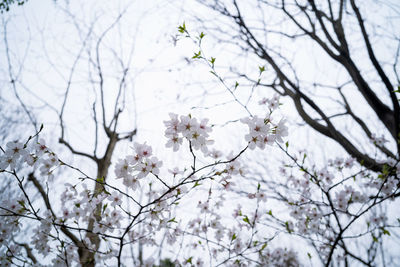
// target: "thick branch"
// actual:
[[46, 200], [75, 152], [380, 71]]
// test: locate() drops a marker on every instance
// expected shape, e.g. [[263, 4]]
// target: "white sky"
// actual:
[[44, 40]]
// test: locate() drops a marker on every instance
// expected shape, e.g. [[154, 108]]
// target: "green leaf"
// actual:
[[309, 255], [172, 220], [22, 203], [385, 232], [246, 219], [182, 29], [269, 212], [197, 55], [233, 237], [262, 69], [374, 238], [105, 207], [212, 60], [196, 184], [287, 228], [202, 35], [263, 247], [189, 260], [106, 192]]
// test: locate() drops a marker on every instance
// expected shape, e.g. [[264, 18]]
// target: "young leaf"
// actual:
[[197, 55], [233, 237], [182, 29]]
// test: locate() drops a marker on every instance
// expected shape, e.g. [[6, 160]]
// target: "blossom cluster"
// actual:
[[235, 236], [263, 132], [195, 132], [137, 166], [10, 225], [36, 155], [280, 257], [108, 215], [341, 190], [271, 103]]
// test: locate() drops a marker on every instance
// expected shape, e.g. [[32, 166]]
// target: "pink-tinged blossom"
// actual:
[[8, 161], [261, 196], [204, 129], [154, 165], [99, 228], [238, 245], [143, 170], [378, 219], [142, 151], [115, 198], [254, 141], [174, 141], [40, 148], [314, 214], [342, 200], [131, 182], [78, 212], [349, 162], [30, 159], [187, 126], [379, 141], [281, 130], [233, 167], [172, 125], [338, 162], [268, 140], [122, 168], [175, 171], [297, 212], [237, 212], [171, 238], [15, 149], [204, 207], [258, 127], [216, 154], [97, 200], [263, 101], [66, 214]]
